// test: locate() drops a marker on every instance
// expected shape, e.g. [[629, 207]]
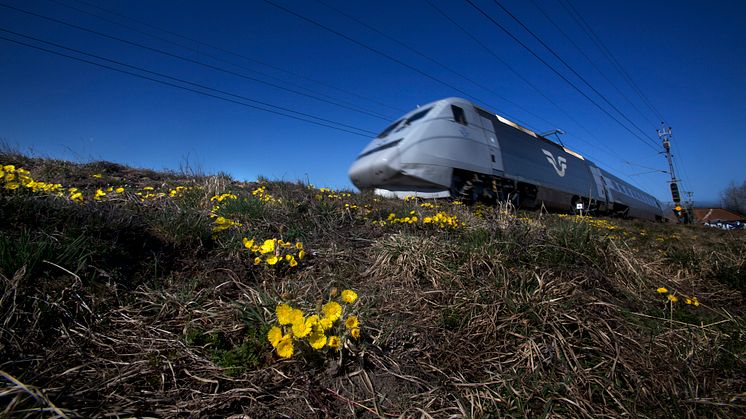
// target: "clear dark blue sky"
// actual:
[[688, 58]]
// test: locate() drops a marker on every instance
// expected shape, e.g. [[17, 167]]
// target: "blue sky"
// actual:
[[688, 58]]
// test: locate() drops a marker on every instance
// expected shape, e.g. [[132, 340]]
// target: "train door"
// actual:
[[604, 193], [496, 157]]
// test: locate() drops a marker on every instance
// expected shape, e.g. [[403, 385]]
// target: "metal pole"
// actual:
[[665, 135]]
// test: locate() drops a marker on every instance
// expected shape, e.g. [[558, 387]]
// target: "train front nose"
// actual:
[[375, 170]]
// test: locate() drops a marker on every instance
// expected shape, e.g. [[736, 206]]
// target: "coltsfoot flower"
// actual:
[[285, 347], [332, 310], [317, 340], [349, 296], [274, 336], [355, 333], [284, 314], [334, 342], [352, 322]]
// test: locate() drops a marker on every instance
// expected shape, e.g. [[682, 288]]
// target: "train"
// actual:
[[454, 148]]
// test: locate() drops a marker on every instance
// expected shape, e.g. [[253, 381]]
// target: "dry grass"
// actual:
[[509, 315]]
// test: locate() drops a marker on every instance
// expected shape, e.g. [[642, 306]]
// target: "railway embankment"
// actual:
[[140, 293]]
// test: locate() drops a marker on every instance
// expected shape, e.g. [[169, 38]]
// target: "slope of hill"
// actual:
[[131, 292]]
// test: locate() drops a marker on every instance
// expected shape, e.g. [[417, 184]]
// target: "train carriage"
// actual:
[[453, 148]]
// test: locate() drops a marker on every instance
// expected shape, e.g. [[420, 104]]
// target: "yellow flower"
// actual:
[[332, 310], [247, 243], [77, 196], [349, 296], [317, 340], [148, 188], [284, 313], [352, 322], [9, 168], [312, 320], [267, 247], [673, 298], [688, 301], [274, 336], [272, 260], [326, 323], [695, 301], [299, 245], [301, 254], [334, 342], [97, 175], [355, 333], [99, 194], [293, 262], [662, 290], [285, 347], [288, 257], [257, 260], [301, 329], [296, 316], [119, 190]]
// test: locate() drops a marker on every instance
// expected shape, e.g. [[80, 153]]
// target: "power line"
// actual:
[[573, 12], [212, 56], [569, 67], [215, 47], [591, 62], [496, 23], [525, 80], [600, 146], [431, 59], [190, 60], [281, 111], [378, 52], [554, 70]]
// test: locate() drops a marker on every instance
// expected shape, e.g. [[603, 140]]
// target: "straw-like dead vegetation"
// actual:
[[135, 306]]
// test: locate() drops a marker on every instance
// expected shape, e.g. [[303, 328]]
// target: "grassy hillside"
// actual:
[[131, 292]]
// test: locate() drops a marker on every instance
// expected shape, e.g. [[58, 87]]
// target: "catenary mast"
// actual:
[[683, 214]]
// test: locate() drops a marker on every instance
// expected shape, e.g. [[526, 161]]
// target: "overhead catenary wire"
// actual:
[[190, 60], [592, 62], [573, 12], [601, 144], [605, 148], [214, 47], [572, 70], [588, 30], [560, 75], [432, 60], [278, 110], [383, 54]]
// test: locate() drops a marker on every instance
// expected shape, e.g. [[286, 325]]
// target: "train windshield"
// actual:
[[390, 128], [418, 115]]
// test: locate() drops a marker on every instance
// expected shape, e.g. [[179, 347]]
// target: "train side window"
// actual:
[[458, 114]]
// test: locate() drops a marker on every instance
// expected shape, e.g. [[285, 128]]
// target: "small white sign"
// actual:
[[579, 206]]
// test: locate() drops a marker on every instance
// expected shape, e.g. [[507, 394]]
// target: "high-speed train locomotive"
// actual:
[[454, 148]]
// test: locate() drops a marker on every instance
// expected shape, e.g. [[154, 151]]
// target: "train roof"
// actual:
[[519, 127]]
